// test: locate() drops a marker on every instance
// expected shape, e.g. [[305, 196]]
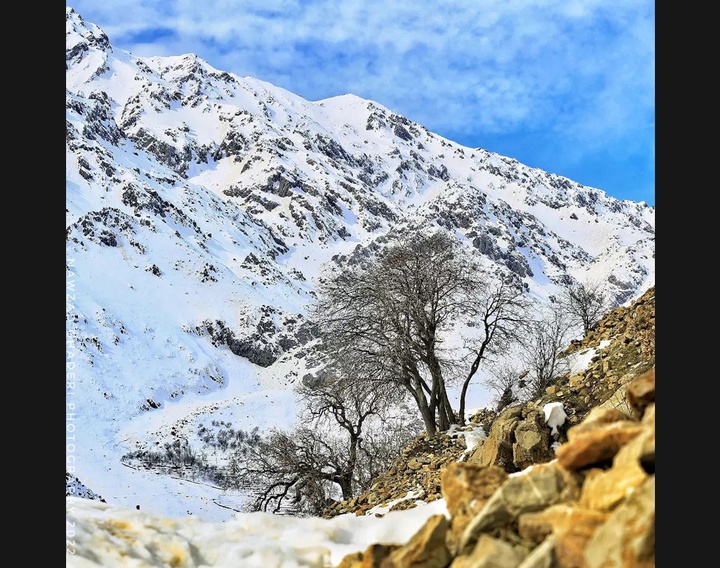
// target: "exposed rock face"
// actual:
[[426, 549], [594, 512], [641, 392], [489, 553], [542, 486], [590, 505], [532, 441], [497, 449], [76, 488], [371, 558], [627, 538]]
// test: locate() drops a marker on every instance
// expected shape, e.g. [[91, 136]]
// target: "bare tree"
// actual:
[[501, 310], [548, 336], [507, 381], [396, 314], [585, 302], [333, 452], [288, 471], [348, 403]]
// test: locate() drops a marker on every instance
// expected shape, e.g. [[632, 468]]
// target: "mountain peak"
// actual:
[[202, 208], [81, 35]]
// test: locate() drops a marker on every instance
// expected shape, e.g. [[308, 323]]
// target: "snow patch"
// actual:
[[554, 416]]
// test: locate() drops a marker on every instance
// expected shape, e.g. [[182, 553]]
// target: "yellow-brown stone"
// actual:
[[598, 418], [641, 391], [426, 548], [489, 553], [371, 558], [558, 519], [604, 490], [466, 487], [596, 446]]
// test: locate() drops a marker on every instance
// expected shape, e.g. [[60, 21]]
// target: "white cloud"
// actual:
[[580, 72], [540, 49]]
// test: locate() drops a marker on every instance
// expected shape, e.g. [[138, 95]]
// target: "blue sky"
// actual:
[[567, 86]]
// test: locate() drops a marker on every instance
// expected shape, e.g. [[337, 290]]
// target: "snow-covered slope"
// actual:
[[200, 207], [101, 534]]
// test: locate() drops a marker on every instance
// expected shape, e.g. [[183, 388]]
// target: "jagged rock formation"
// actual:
[[589, 504]]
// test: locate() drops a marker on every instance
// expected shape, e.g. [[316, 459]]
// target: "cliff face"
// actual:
[[569, 488]]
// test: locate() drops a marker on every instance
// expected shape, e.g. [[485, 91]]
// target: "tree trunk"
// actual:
[[427, 415], [471, 374], [463, 392], [414, 384], [446, 416], [446, 406], [345, 483]]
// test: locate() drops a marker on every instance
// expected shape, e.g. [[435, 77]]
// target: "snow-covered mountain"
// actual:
[[201, 206]]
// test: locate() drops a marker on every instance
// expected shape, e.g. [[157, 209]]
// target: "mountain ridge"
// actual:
[[200, 207]]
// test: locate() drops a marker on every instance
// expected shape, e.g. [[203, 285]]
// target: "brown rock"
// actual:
[[618, 401], [649, 415], [596, 446], [558, 519], [537, 488], [570, 546], [627, 538], [532, 441], [641, 391], [641, 449], [426, 548], [489, 553], [570, 527], [497, 449], [353, 560], [542, 556], [576, 380], [466, 488], [597, 418], [371, 558], [603, 490]]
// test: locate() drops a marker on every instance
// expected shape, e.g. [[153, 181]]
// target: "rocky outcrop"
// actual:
[[461, 480], [593, 506], [518, 436], [581, 495], [76, 488]]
